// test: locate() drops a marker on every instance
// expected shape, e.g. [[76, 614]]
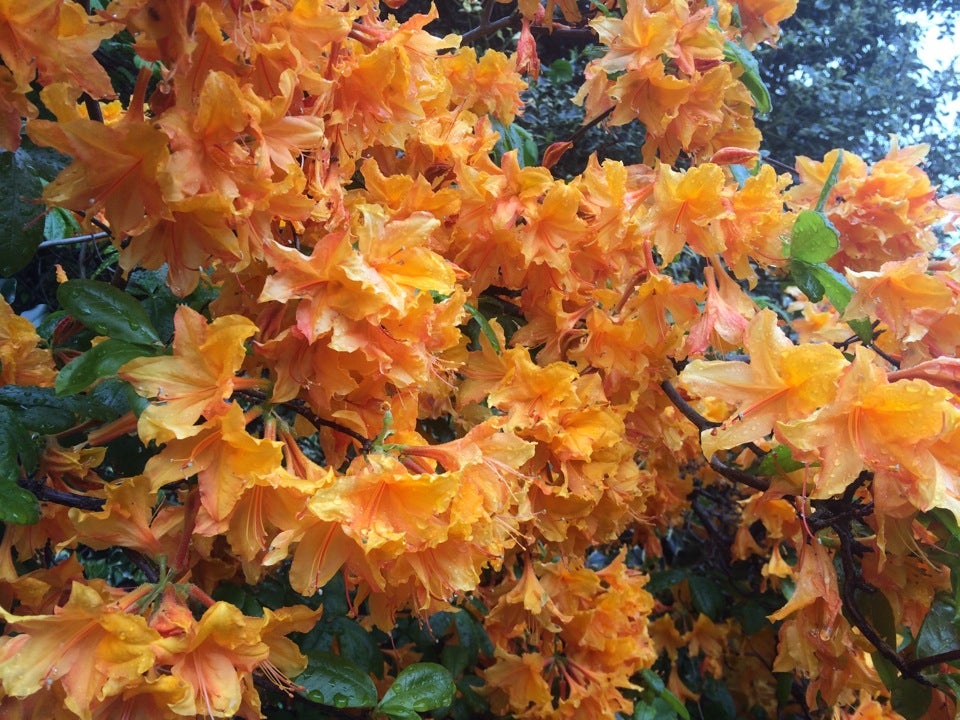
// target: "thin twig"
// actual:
[[302, 409], [684, 407], [849, 591], [486, 26], [76, 239], [931, 660], [583, 129], [44, 493]]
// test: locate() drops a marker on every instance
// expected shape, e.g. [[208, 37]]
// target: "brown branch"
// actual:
[[945, 657], [301, 408], [486, 26], [686, 408], [728, 471], [848, 594], [44, 493], [583, 129]]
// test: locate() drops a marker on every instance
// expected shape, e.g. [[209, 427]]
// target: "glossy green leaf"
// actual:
[[830, 182], [938, 634], [835, 286], [18, 454], [17, 505], [21, 224], [108, 311], [813, 238], [419, 687], [42, 411], [332, 680], [100, 361], [485, 327], [739, 55], [802, 275], [60, 224], [706, 596]]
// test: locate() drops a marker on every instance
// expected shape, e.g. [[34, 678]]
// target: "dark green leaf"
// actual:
[[419, 687], [803, 276], [739, 55], [657, 708], [706, 596], [830, 182], [863, 328], [561, 71], [108, 311], [455, 658], [485, 327], [17, 451], [835, 286], [17, 505], [357, 644], [911, 699], [813, 238], [332, 680], [21, 227], [60, 224], [938, 633], [41, 410], [100, 361]]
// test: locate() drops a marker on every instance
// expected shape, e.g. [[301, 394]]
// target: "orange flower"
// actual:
[[92, 649], [226, 460], [196, 380], [781, 381], [875, 425], [22, 362], [214, 656]]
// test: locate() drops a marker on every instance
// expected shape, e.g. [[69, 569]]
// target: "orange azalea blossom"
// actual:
[[129, 520], [226, 460], [889, 428], [584, 666], [90, 648], [214, 656], [911, 302], [22, 361], [884, 212], [196, 381], [782, 380]]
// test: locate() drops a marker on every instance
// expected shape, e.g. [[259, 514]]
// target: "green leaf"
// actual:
[[739, 55], [40, 410], [657, 708], [813, 238], [332, 680], [18, 454], [938, 633], [100, 361], [830, 182], [21, 228], [17, 505], [835, 286], [778, 461], [706, 596], [485, 327], [561, 71], [60, 224], [802, 274], [108, 311], [863, 328], [672, 702], [419, 687]]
